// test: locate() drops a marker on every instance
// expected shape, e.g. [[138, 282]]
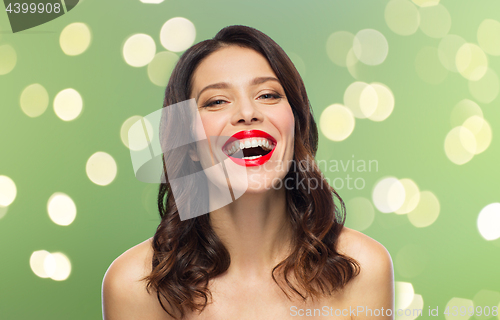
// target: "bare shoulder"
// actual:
[[124, 294], [374, 286], [367, 251]]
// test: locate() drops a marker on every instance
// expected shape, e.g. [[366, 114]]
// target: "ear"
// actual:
[[193, 155]]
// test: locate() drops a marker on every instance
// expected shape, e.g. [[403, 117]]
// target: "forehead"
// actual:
[[231, 64]]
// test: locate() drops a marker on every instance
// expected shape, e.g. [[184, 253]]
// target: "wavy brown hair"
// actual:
[[187, 254]]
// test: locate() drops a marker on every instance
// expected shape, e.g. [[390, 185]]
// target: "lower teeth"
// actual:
[[251, 158]]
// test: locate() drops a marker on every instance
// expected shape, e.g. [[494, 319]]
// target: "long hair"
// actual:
[[187, 254]]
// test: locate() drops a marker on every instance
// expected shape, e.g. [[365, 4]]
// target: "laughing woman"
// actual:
[[277, 250]]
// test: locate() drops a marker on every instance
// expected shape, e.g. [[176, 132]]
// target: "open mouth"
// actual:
[[250, 147]]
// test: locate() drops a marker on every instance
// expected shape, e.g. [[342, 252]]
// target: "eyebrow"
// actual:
[[225, 85]]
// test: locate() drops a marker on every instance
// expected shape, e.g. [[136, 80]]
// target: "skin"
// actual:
[[254, 228]]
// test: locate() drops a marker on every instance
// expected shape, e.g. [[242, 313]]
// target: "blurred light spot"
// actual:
[[152, 1], [385, 102], [388, 195], [61, 209], [8, 191], [139, 49], [435, 21], [298, 63], [34, 100], [133, 137], [415, 309], [426, 3], [428, 66], [336, 122], [360, 213], [8, 58], [361, 98], [471, 62], [338, 46], [426, 212], [160, 68], [3, 211], [177, 34], [460, 145], [402, 17], [370, 47], [488, 221], [488, 36], [411, 260], [481, 130], [456, 304], [404, 293], [37, 261], [464, 110], [62, 267], [75, 38], [485, 89], [487, 299], [412, 196], [447, 51], [101, 168], [359, 70], [68, 104]]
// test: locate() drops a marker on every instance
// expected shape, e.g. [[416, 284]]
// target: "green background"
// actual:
[[44, 155]]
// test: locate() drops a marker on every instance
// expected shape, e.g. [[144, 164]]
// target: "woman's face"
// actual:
[[246, 117]]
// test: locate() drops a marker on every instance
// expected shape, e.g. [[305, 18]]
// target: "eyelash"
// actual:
[[273, 95]]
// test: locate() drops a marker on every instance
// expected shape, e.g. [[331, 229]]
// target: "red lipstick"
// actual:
[[247, 134]]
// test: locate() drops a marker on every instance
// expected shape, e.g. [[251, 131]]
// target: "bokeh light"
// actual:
[[361, 98], [101, 168], [62, 267], [485, 89], [388, 194], [8, 58], [404, 294], [427, 210], [460, 145], [61, 209], [435, 21], [34, 100], [413, 310], [429, 67], [75, 38], [68, 104], [456, 304], [463, 110], [412, 196], [336, 122], [139, 49], [481, 130], [360, 213], [8, 191], [160, 68], [402, 17], [37, 263], [426, 3], [370, 47], [471, 61], [488, 36], [3, 211], [488, 221], [177, 34], [447, 51], [385, 102], [138, 141], [338, 45], [486, 299]]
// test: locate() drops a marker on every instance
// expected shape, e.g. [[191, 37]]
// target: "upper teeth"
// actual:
[[249, 143]]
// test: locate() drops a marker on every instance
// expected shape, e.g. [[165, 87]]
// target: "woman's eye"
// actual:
[[270, 96], [215, 102]]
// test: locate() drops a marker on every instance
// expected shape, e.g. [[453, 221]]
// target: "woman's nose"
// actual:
[[247, 112]]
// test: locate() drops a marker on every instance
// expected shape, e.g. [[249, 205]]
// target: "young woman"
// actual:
[[279, 249]]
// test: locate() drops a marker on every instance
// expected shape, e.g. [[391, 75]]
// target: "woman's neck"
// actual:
[[256, 231]]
